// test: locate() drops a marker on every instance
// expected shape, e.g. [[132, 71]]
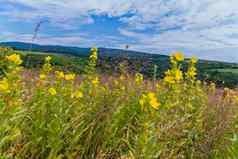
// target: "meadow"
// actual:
[[54, 113]]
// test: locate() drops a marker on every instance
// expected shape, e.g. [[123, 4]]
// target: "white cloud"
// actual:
[[80, 40], [154, 25]]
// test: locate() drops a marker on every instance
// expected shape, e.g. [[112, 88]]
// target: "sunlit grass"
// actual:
[[55, 114]]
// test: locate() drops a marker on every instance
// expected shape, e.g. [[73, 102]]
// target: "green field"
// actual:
[[227, 70], [57, 113]]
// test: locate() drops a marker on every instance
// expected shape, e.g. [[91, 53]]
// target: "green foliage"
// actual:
[[56, 115]]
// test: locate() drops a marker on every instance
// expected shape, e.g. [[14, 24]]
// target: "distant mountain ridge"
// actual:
[[78, 51], [223, 73]]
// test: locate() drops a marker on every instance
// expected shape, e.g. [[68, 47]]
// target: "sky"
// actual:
[[207, 29]]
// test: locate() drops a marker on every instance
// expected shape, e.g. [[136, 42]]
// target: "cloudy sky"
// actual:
[[205, 28]]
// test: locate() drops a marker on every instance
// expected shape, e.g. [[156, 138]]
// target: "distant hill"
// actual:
[[77, 51], [223, 73]]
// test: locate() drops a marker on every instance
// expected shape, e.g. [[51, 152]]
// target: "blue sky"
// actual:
[[205, 28]]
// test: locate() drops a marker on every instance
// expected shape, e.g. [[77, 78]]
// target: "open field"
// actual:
[[54, 113], [229, 70], [75, 58]]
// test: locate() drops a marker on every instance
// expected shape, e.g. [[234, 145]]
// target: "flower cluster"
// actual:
[[139, 78], [192, 71], [52, 91], [60, 74], [174, 74], [47, 66], [92, 62], [151, 99], [176, 57], [4, 85], [94, 54], [14, 58], [70, 77]]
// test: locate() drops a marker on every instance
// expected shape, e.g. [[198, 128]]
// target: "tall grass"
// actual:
[[59, 115]]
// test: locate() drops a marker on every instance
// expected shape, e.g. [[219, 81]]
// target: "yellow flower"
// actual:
[[70, 77], [169, 79], [151, 95], [95, 81], [178, 56], [178, 75], [14, 58], [193, 60], [93, 55], [94, 49], [172, 60], [59, 74], [153, 100], [42, 76], [192, 72], [77, 95], [139, 78], [52, 91], [4, 85], [154, 103], [48, 58]]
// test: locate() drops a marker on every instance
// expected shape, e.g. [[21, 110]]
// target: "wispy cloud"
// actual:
[[160, 25]]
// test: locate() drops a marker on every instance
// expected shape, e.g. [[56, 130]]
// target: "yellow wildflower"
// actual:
[[154, 103], [172, 60], [48, 58], [78, 94], [93, 55], [70, 77], [95, 81], [193, 60], [52, 91], [178, 75], [42, 76], [169, 79], [94, 49], [4, 85], [59, 74], [153, 100], [192, 72], [14, 58], [139, 78], [151, 95], [178, 56]]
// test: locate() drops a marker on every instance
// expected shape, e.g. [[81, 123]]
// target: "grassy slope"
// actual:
[[124, 117], [225, 74]]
